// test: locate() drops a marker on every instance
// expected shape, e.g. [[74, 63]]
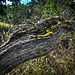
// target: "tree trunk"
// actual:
[[21, 49]]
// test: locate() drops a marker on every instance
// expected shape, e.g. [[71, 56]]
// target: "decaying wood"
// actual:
[[18, 48]]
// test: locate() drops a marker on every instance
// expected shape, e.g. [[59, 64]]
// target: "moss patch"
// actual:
[[67, 21], [41, 52], [47, 34], [59, 23], [57, 20], [52, 22], [61, 37], [52, 26], [31, 36], [31, 28], [64, 37], [73, 34]]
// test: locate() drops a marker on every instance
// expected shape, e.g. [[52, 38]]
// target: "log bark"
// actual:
[[16, 51]]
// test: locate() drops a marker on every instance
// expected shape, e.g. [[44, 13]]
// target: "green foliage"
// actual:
[[2, 9], [3, 6], [71, 5], [53, 7], [34, 10]]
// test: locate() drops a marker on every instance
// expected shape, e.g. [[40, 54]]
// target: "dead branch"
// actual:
[[19, 49]]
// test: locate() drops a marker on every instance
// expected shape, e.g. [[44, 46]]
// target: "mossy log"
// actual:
[[19, 49]]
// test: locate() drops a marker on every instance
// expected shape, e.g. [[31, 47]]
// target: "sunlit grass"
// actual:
[[5, 26]]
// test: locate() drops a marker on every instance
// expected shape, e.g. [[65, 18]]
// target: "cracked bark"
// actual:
[[21, 49]]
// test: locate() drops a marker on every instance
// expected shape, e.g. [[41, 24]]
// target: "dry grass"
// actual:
[[5, 26]]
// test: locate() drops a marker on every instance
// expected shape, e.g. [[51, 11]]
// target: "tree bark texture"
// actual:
[[21, 49]]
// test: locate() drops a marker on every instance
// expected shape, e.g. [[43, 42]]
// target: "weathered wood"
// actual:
[[22, 49]]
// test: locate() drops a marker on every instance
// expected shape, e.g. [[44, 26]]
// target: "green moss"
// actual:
[[52, 26], [67, 21], [31, 28], [61, 16], [73, 34], [31, 36], [59, 22], [52, 22], [62, 35], [69, 32], [48, 18], [47, 30], [41, 52], [41, 34], [47, 34]]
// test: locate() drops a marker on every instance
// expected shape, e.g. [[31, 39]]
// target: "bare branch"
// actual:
[[19, 49]]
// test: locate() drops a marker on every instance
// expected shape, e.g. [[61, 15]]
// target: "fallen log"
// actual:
[[21, 49]]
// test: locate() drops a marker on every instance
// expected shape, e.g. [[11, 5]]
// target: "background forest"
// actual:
[[18, 13]]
